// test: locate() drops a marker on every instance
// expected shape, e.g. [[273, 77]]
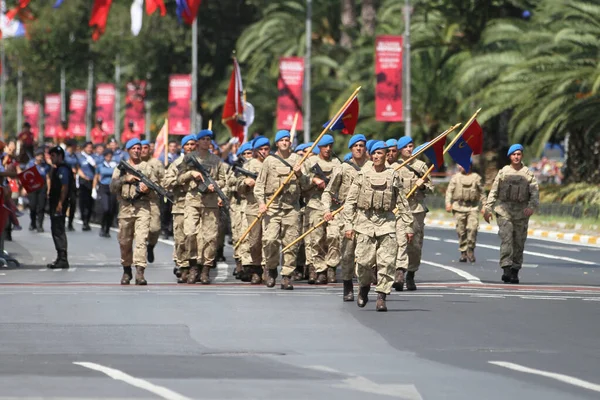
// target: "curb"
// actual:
[[539, 233]]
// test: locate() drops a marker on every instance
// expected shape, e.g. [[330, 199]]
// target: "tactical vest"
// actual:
[[466, 189], [130, 191], [513, 188], [377, 192]]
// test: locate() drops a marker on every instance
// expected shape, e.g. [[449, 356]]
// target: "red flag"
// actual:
[[474, 137], [436, 153], [31, 180], [189, 15], [233, 109], [152, 5], [347, 121], [99, 17]]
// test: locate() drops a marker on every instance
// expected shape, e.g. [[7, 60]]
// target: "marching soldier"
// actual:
[[252, 255], [134, 214], [463, 195], [323, 243], [179, 193], [159, 172], [341, 181], [412, 175], [280, 223], [201, 225], [392, 153], [514, 198], [369, 214], [238, 204]]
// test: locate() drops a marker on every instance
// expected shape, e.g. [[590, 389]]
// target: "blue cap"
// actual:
[[203, 133], [325, 140], [316, 150], [513, 148], [301, 147], [187, 139], [391, 143], [378, 145], [355, 139], [404, 141], [260, 141], [370, 144], [348, 157], [132, 142], [282, 134], [145, 142], [244, 148]]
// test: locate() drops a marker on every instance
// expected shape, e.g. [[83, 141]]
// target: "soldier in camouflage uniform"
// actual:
[[463, 196], [392, 153], [412, 175], [338, 187], [238, 204], [201, 225], [134, 214], [514, 198], [323, 244], [369, 213], [159, 173], [170, 183]]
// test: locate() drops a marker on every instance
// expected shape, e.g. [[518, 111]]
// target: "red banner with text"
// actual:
[[105, 106], [134, 106], [51, 115], [77, 110], [388, 70], [289, 92], [180, 95], [31, 114]]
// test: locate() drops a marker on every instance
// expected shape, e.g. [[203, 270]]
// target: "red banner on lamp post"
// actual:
[[51, 115], [31, 114], [105, 106], [388, 70], [289, 92], [77, 109], [134, 106], [180, 94]]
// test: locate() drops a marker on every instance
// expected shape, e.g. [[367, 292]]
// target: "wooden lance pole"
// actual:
[[293, 131], [308, 232], [428, 145]]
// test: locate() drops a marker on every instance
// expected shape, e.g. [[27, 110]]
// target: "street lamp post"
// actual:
[[406, 69], [307, 71]]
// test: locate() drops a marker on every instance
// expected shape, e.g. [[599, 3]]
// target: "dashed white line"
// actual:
[[432, 238], [553, 375], [469, 277]]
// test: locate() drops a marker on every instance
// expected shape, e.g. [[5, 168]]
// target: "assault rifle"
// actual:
[[126, 168], [191, 160], [245, 172], [318, 171]]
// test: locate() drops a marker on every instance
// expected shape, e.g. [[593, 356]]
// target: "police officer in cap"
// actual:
[[62, 183]]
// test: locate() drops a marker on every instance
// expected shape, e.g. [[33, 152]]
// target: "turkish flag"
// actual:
[[31, 180], [153, 5], [233, 108], [99, 17]]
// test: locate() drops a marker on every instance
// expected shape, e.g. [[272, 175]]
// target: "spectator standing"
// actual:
[[86, 173], [108, 200], [72, 162], [37, 199]]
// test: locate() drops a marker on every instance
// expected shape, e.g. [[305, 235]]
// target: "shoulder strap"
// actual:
[[414, 171], [356, 167], [282, 160]]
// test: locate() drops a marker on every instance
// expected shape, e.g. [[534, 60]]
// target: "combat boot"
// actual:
[[331, 278], [506, 275], [286, 283], [127, 276], [471, 255], [322, 278], [183, 277], [220, 255], [463, 256], [205, 275], [380, 305], [312, 275], [192, 277], [348, 291], [246, 273], [176, 272], [150, 255], [238, 269], [256, 275], [514, 275], [139, 276], [363, 296], [59, 264], [271, 276], [398, 284], [410, 281], [299, 273]]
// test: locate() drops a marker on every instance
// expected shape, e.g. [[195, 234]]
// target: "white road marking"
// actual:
[[137, 382], [533, 253], [523, 265], [561, 248], [460, 272], [433, 238], [559, 377], [222, 269]]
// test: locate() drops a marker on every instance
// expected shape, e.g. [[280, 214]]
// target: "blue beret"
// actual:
[[513, 148], [145, 142], [325, 140], [378, 145], [281, 134], [244, 148], [370, 144], [404, 141], [260, 142], [391, 143], [203, 133], [187, 139], [301, 147], [316, 150], [355, 139], [348, 157], [132, 142]]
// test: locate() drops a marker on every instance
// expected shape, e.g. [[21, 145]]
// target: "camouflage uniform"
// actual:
[[464, 193], [512, 192], [236, 213], [170, 183], [159, 172]]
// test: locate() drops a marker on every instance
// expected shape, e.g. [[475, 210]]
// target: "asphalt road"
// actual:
[[462, 335]]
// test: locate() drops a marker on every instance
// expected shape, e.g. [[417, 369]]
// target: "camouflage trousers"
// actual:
[[513, 233], [134, 228], [380, 251], [238, 226], [467, 224], [154, 222], [323, 244], [411, 258], [179, 238], [280, 228], [252, 251], [201, 227], [348, 263]]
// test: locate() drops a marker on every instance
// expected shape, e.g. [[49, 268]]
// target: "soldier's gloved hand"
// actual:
[[448, 207], [328, 217], [262, 208], [144, 188], [420, 182], [487, 216], [349, 235], [249, 182], [409, 237], [528, 212]]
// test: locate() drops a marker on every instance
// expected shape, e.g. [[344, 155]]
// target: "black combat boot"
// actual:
[[471, 255], [32, 227], [245, 274], [331, 277], [299, 273], [150, 251], [348, 291], [256, 278], [410, 281], [463, 256], [272, 275], [205, 275], [322, 278], [380, 305], [363, 296], [183, 276], [176, 272], [286, 283], [398, 284], [127, 276], [139, 276], [514, 275], [506, 274], [61, 262], [70, 227], [192, 277], [312, 275]]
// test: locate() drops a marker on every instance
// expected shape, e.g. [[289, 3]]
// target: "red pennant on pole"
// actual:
[[99, 17], [233, 109], [153, 5]]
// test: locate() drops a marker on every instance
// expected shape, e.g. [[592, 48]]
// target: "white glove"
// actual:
[[234, 140], [94, 194]]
